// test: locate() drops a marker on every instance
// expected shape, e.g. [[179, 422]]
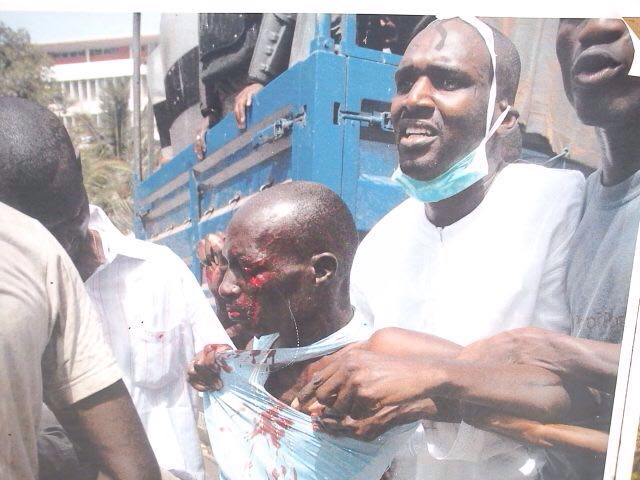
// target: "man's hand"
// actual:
[[200, 145], [209, 251], [359, 383], [370, 428], [243, 101], [204, 370]]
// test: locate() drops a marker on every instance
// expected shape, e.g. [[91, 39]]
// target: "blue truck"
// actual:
[[325, 119]]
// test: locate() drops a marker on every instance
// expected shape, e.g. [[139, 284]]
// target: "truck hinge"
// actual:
[[278, 129], [380, 119]]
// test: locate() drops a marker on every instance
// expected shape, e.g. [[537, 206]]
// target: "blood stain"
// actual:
[[271, 355], [271, 425], [224, 365], [254, 354]]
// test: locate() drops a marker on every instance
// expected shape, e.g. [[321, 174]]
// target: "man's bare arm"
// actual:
[[397, 366], [537, 433], [588, 362], [408, 343], [517, 389], [108, 421]]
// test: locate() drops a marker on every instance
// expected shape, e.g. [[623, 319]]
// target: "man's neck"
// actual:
[[448, 211], [310, 330], [285, 383], [91, 255], [621, 147]]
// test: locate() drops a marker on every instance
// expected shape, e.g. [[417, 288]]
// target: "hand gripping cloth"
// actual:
[[256, 437]]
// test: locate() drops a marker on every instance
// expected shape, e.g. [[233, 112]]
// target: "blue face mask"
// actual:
[[473, 166], [460, 176]]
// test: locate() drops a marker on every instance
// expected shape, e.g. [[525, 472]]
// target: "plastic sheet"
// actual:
[[256, 437]]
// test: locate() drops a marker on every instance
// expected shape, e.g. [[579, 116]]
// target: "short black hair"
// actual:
[[320, 222], [39, 172], [508, 67]]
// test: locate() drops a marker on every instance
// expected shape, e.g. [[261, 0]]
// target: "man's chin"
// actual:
[[423, 171]]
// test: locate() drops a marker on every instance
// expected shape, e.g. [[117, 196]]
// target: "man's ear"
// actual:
[[324, 267], [511, 120]]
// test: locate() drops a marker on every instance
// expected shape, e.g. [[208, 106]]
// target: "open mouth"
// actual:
[[237, 314], [594, 69], [416, 134]]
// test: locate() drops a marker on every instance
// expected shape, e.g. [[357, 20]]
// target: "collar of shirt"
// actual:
[[114, 243]]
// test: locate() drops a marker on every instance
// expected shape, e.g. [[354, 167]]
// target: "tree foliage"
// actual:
[[103, 151], [106, 158], [24, 69], [115, 129], [108, 182]]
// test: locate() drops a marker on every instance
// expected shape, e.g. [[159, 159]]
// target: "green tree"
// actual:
[[108, 182], [115, 129], [106, 162], [24, 69]]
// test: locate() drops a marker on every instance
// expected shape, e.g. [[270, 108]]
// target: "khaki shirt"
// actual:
[[51, 343]]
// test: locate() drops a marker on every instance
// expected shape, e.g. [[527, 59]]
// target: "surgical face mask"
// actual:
[[460, 176], [471, 167]]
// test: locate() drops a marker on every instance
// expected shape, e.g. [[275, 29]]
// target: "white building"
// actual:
[[83, 68]]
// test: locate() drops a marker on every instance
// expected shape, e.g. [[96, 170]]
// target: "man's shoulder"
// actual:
[[27, 237], [543, 177], [154, 254], [17, 224], [396, 231], [535, 183], [400, 217]]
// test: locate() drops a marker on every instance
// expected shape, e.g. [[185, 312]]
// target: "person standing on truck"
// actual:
[[152, 310], [480, 247], [52, 349], [239, 54]]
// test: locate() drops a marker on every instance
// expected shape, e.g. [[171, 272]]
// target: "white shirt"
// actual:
[[155, 317], [500, 267]]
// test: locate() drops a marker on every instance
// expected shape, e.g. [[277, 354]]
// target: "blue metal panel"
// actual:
[[180, 243], [317, 146], [178, 164], [294, 131], [370, 154]]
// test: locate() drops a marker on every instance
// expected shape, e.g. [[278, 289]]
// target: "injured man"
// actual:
[[284, 279], [285, 263]]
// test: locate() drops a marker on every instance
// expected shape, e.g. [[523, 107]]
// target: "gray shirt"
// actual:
[[601, 259], [599, 274]]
